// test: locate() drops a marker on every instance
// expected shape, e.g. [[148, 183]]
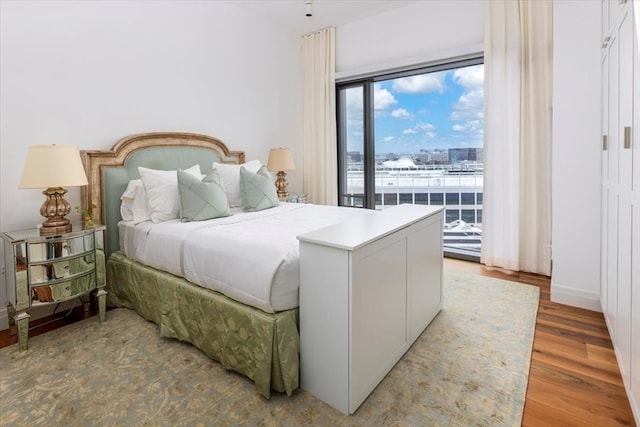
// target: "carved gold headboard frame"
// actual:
[[97, 161]]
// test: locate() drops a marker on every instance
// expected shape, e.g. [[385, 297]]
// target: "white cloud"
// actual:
[[382, 98], [353, 99], [471, 126], [388, 138], [470, 130], [470, 77], [422, 83], [470, 106], [425, 127], [401, 113]]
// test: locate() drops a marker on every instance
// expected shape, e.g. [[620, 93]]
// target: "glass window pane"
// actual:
[[468, 215], [452, 215], [406, 198], [437, 199], [422, 198], [390, 199], [453, 198], [468, 198], [352, 135]]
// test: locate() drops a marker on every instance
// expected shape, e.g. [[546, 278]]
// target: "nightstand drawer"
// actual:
[[63, 291], [60, 248], [61, 270]]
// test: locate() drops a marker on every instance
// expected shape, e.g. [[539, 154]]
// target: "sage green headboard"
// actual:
[[110, 171]]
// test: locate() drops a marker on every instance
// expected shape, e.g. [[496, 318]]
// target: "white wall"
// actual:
[[415, 32], [89, 73], [576, 154]]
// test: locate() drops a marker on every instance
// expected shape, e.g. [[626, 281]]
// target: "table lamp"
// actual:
[[281, 160], [53, 167]]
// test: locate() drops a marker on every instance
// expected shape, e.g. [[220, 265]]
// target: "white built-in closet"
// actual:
[[620, 172]]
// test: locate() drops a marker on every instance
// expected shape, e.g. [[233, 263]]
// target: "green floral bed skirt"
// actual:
[[262, 346]]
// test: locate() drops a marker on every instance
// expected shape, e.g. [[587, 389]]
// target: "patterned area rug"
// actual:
[[469, 368]]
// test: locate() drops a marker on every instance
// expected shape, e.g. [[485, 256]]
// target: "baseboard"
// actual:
[[575, 297], [634, 407]]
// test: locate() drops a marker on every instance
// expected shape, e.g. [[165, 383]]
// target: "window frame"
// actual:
[[367, 83]]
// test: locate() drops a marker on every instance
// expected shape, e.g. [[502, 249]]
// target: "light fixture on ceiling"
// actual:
[[309, 7]]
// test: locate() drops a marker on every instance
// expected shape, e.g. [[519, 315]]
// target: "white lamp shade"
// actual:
[[53, 166], [280, 159]]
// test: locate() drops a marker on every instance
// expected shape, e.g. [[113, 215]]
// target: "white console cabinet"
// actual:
[[368, 288]]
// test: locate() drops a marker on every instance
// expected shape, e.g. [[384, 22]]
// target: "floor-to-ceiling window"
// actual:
[[417, 137]]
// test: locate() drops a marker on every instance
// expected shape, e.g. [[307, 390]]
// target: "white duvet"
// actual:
[[251, 257]]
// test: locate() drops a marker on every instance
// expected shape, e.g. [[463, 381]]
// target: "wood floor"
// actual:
[[574, 378]]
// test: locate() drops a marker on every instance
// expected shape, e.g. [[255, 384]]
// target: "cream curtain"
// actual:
[[320, 152], [517, 135]]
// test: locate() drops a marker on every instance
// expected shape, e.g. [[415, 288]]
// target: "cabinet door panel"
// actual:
[[378, 316], [324, 321], [625, 101], [635, 304], [613, 144], [623, 317], [604, 256], [604, 88], [424, 276], [612, 262]]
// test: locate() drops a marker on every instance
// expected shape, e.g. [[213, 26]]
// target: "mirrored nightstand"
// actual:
[[44, 270]]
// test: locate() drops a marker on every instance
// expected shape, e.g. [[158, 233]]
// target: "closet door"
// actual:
[[612, 190], [625, 159], [634, 386], [604, 168]]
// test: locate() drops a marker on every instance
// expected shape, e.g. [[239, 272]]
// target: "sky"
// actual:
[[437, 110]]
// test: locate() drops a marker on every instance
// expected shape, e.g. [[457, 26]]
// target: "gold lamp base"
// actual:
[[55, 208], [281, 185]]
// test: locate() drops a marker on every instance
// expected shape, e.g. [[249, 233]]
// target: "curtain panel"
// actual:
[[517, 135], [320, 151]]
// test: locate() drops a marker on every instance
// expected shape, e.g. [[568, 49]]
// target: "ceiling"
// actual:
[[291, 13]]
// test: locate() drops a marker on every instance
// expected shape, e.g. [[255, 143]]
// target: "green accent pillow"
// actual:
[[201, 200], [258, 190]]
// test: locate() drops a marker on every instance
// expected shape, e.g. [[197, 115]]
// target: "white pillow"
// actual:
[[127, 198], [230, 175], [163, 198], [134, 203]]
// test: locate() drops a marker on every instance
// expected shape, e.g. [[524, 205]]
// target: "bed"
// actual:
[[262, 346], [257, 335]]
